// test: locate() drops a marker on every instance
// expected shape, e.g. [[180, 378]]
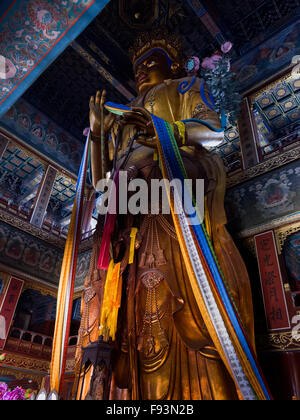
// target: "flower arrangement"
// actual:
[[17, 394], [221, 82]]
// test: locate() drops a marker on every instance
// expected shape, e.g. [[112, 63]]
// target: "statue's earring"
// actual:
[[174, 68]]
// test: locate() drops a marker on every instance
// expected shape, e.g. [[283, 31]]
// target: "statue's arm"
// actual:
[[96, 163], [96, 112], [198, 134], [193, 107]]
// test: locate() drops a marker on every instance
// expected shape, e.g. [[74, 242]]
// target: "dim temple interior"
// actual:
[[212, 310]]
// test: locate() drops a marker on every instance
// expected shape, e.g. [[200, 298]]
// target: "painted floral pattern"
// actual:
[[30, 30]]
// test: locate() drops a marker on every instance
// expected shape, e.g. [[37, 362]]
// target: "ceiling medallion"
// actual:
[[140, 14], [143, 14]]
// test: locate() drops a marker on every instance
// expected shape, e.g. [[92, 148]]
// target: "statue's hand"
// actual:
[[142, 120], [96, 103]]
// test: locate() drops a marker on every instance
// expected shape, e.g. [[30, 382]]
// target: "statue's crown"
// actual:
[[157, 38]]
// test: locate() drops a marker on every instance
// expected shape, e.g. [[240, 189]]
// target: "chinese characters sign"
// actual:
[[9, 304], [42, 202], [271, 281]]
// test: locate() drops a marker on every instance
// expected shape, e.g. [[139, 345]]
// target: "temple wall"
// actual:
[[36, 258], [263, 201]]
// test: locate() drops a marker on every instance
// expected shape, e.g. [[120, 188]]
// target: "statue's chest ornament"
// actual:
[[150, 100]]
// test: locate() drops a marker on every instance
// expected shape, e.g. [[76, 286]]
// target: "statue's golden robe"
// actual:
[[165, 349]]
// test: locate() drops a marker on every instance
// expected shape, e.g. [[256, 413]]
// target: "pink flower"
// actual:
[[216, 58], [18, 394], [86, 131], [207, 64], [3, 389], [211, 63], [226, 47]]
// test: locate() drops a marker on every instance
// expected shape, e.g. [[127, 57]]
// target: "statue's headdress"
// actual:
[[158, 39]]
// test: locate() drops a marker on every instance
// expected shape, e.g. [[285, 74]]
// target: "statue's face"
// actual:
[[151, 71]]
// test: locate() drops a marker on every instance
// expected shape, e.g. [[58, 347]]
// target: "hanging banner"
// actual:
[[67, 280], [8, 306], [271, 282]]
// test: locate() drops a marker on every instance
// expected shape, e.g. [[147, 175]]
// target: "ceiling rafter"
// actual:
[[207, 20], [103, 71]]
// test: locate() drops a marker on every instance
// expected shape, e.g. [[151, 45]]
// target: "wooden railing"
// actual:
[[33, 344]]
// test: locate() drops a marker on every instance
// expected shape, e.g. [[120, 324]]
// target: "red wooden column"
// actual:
[[43, 197]]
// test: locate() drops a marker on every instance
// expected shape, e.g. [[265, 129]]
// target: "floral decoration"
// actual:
[[192, 66], [222, 82], [17, 394]]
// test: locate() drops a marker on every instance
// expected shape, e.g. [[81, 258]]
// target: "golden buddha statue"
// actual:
[[163, 348]]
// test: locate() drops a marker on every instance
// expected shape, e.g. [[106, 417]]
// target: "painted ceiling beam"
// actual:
[[43, 197], [104, 73], [3, 145], [32, 35], [207, 20], [100, 28]]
